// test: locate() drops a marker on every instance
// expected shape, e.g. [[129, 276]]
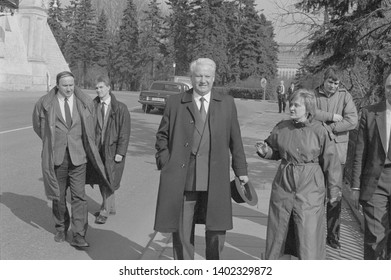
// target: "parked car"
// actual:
[[159, 92]]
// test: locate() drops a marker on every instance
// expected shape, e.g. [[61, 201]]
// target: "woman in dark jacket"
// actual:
[[307, 156]]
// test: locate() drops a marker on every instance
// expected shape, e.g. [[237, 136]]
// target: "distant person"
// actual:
[[336, 108], [281, 95], [307, 156], [371, 180], [112, 139], [198, 130], [63, 119], [291, 89]]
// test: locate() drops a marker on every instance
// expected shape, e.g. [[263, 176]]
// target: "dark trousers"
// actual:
[[377, 220], [334, 216], [183, 239], [74, 177], [281, 103]]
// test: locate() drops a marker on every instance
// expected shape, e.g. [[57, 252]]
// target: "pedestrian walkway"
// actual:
[[247, 240]]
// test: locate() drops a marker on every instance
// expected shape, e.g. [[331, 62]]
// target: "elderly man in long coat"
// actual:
[[198, 130]]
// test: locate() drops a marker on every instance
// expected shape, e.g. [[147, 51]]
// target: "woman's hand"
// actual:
[[262, 148]]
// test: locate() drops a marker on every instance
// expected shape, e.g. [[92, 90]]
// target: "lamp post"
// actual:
[[263, 85], [174, 65]]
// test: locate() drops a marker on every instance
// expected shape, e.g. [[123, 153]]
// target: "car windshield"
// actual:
[[166, 87]]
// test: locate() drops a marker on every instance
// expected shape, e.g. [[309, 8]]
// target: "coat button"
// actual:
[[187, 145], [183, 165]]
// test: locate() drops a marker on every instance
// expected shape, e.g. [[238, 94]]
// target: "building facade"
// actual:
[[289, 58]]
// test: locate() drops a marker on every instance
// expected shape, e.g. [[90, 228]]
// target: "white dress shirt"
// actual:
[[107, 102], [61, 100], [197, 98]]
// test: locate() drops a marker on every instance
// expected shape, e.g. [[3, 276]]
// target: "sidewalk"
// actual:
[[247, 239]]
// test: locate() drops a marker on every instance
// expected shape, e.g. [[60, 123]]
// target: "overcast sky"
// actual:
[[273, 9]]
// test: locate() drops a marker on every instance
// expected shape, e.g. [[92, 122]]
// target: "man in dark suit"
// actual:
[[112, 139], [198, 131], [64, 120], [371, 183]]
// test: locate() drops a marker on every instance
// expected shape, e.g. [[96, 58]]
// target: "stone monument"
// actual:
[[29, 54]]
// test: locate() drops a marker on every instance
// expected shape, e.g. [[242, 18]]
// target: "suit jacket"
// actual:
[[174, 143], [70, 138], [370, 152]]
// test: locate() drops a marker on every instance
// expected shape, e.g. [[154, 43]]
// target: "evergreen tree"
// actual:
[[57, 24], [80, 48], [210, 35], [355, 33], [255, 46], [151, 41], [179, 32], [126, 50], [102, 41]]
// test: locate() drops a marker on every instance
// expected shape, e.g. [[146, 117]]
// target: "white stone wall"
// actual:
[[29, 53]]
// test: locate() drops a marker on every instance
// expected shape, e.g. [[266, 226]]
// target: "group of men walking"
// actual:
[[84, 141], [198, 141]]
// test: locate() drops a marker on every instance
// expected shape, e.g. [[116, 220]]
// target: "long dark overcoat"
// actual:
[[44, 122], [173, 144], [116, 140]]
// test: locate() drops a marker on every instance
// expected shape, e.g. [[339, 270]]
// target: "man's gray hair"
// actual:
[[204, 61]]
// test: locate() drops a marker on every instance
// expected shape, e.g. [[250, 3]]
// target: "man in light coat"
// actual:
[[337, 109], [371, 180], [64, 120], [112, 139], [198, 130]]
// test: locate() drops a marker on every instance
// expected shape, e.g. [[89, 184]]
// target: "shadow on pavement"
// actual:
[[104, 244], [29, 209]]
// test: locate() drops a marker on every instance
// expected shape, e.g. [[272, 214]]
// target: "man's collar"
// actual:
[[62, 97], [206, 96], [107, 100]]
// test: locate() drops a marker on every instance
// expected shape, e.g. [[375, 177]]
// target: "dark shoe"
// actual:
[[100, 220], [111, 213], [79, 241], [59, 236], [333, 243]]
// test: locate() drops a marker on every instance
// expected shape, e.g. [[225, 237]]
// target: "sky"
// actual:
[[273, 10]]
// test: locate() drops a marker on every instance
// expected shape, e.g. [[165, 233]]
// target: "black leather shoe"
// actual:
[[333, 243], [59, 236], [79, 241], [100, 220]]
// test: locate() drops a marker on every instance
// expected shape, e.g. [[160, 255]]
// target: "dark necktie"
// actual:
[[103, 112], [68, 117], [202, 109]]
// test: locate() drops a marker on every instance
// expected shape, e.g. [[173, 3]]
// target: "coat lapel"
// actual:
[[381, 121]]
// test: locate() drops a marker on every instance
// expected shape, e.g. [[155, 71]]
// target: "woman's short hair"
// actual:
[[204, 61], [309, 101], [62, 75]]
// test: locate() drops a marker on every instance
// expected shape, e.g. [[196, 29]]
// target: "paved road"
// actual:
[[26, 226]]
